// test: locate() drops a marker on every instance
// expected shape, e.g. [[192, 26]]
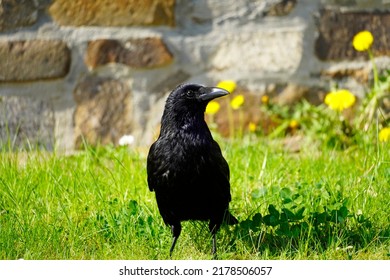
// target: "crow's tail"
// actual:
[[229, 219]]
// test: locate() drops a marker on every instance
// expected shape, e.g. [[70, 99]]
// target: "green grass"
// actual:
[[95, 204]]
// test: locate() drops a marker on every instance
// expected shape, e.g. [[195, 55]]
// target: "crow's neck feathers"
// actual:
[[179, 124]]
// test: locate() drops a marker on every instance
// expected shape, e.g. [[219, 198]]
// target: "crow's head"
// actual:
[[192, 99]]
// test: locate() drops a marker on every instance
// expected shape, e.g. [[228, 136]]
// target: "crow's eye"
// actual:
[[190, 94]]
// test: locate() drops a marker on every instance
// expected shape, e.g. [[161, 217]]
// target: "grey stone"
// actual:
[[261, 50], [26, 123], [205, 11], [17, 13], [104, 111]]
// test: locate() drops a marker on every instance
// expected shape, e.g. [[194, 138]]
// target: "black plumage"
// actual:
[[185, 166]]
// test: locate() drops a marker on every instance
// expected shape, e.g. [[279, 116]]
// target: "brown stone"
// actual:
[[292, 93], [17, 13], [104, 111], [337, 29], [33, 60], [282, 8], [26, 123], [360, 74], [137, 53], [113, 12]]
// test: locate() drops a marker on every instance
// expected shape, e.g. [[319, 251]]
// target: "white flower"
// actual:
[[126, 140], [344, 249]]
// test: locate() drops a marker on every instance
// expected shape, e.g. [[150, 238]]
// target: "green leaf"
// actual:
[[272, 210], [257, 219], [133, 207], [286, 195], [298, 199], [299, 213], [286, 201], [295, 230], [284, 227], [290, 215], [322, 217], [258, 193], [270, 220], [325, 195], [246, 225], [343, 212]]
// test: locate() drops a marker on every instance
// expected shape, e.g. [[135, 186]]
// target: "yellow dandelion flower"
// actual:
[[237, 102], [212, 108], [293, 124], [362, 41], [340, 99], [265, 99], [252, 127], [228, 85], [384, 134]]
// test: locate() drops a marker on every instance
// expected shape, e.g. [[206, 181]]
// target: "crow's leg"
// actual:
[[176, 229], [214, 246], [213, 227]]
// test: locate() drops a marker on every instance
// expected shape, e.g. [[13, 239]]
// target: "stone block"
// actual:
[[291, 94], [17, 13], [359, 4], [337, 29], [230, 11], [26, 123], [104, 111], [265, 51], [205, 11], [137, 53], [113, 12], [361, 74], [281, 8], [33, 60]]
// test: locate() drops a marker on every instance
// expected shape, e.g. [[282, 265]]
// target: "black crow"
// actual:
[[185, 166]]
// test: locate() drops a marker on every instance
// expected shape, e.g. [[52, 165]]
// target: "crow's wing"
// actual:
[[159, 164], [220, 171], [222, 163], [152, 166]]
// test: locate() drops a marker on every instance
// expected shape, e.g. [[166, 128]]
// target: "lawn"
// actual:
[[319, 203]]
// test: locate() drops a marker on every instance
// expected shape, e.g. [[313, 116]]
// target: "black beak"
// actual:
[[212, 92]]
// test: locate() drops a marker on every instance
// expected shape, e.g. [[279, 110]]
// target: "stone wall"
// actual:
[[94, 70]]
